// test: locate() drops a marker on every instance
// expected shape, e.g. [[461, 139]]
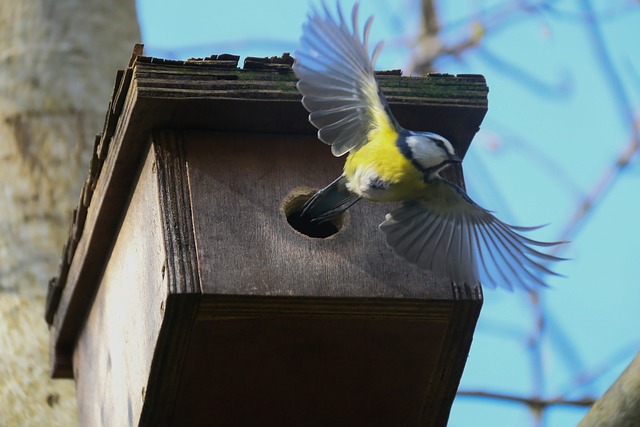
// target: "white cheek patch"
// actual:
[[425, 152]]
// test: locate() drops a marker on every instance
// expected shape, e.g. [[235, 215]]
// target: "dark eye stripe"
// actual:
[[403, 145], [442, 144]]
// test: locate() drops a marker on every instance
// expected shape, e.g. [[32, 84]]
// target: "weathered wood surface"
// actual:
[[181, 281], [113, 355], [201, 95], [429, 103], [238, 184], [290, 361]]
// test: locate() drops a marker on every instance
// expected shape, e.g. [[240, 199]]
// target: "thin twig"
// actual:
[[537, 362], [532, 402]]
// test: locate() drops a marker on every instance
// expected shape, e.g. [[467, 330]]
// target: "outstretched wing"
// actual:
[[447, 233], [337, 81]]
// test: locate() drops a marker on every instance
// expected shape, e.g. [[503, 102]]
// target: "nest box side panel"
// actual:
[[238, 184], [180, 279], [114, 352]]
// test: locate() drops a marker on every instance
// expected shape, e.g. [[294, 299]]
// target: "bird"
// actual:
[[437, 226]]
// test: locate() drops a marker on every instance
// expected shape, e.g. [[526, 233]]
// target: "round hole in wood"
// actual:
[[292, 207]]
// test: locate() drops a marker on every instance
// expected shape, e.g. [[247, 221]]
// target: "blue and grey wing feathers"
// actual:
[[447, 233], [336, 79]]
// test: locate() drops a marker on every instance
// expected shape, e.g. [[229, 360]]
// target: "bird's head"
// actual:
[[431, 151]]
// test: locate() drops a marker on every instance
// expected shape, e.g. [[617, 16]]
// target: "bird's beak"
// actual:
[[454, 159]]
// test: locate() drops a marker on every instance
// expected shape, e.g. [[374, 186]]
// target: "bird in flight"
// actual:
[[437, 226]]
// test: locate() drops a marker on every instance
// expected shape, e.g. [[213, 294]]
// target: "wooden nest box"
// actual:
[[185, 297]]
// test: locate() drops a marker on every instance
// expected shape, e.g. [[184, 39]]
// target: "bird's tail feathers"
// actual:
[[329, 202]]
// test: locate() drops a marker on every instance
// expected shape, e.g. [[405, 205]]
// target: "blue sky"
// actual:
[[553, 128]]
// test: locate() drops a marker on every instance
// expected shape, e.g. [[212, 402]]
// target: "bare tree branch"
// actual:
[[532, 402]]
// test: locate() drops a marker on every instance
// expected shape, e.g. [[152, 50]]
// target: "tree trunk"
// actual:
[[619, 406], [58, 60]]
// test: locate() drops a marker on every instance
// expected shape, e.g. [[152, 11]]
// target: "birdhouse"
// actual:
[[190, 294]]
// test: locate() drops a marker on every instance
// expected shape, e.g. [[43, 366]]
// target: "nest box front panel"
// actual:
[[278, 367], [239, 185]]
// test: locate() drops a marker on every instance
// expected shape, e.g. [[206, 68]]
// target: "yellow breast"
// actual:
[[380, 158]]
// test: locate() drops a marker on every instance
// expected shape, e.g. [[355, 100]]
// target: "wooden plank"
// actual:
[[137, 331], [113, 354], [175, 204], [185, 80], [88, 259], [181, 279], [238, 184], [291, 361], [455, 351], [277, 63]]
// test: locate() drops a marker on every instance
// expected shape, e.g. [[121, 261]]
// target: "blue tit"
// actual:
[[437, 227]]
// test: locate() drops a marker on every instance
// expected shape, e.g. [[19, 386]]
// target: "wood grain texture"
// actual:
[[175, 205], [428, 103], [181, 280], [113, 355], [327, 361], [129, 357], [464, 315], [291, 361], [238, 184], [91, 244]]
